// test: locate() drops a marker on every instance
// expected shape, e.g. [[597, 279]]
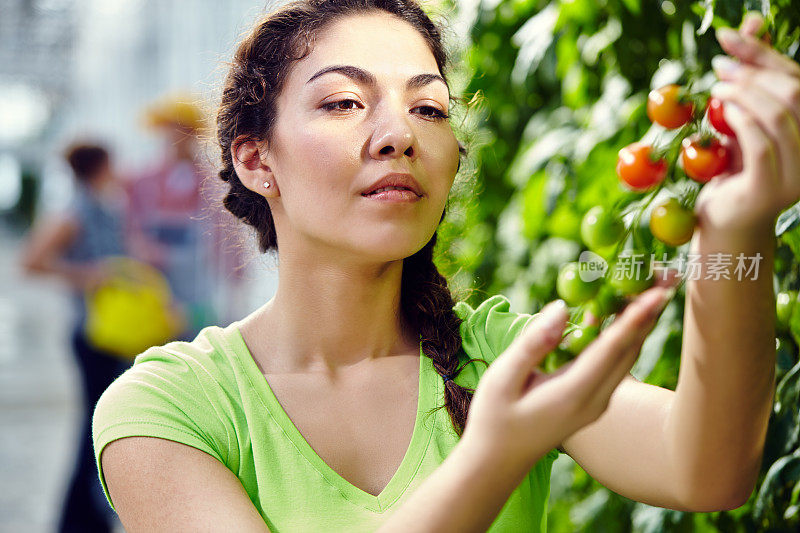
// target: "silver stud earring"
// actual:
[[266, 184]]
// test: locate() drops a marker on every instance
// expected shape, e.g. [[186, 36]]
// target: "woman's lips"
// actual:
[[393, 195]]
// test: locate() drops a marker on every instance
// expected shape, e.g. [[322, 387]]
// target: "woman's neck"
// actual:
[[322, 318]]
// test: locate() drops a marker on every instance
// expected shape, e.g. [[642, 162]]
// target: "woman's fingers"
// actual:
[[752, 25], [666, 277], [779, 85], [756, 52], [603, 364], [781, 130], [759, 153], [530, 347]]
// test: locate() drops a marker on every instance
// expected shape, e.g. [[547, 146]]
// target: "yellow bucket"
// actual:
[[131, 310]]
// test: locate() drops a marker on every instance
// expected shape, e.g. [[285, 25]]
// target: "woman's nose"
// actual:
[[393, 136]]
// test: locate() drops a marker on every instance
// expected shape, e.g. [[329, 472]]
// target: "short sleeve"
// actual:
[[491, 327], [488, 330], [164, 394]]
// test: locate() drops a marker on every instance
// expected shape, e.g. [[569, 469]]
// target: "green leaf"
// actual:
[[783, 472], [656, 344], [708, 17], [788, 220], [533, 39], [633, 6], [794, 323]]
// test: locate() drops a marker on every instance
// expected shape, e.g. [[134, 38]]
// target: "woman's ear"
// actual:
[[249, 162]]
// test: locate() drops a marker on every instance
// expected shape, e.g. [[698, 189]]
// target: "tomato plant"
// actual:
[[600, 228], [572, 288], [587, 111], [703, 159], [637, 169], [716, 117], [669, 107], [672, 223]]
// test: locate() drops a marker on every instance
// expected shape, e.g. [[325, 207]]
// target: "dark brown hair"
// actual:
[[248, 111], [86, 160]]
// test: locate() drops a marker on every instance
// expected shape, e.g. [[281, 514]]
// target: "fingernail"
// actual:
[[553, 319], [728, 36], [552, 311], [722, 90], [725, 65]]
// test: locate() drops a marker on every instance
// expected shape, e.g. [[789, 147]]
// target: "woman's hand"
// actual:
[[761, 94], [519, 413]]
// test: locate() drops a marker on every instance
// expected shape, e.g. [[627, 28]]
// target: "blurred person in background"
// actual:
[[72, 245], [169, 225]]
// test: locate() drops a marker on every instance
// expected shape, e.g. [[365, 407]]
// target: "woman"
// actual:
[[72, 246], [317, 411]]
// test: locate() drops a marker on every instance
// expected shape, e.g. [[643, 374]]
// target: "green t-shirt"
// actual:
[[210, 394]]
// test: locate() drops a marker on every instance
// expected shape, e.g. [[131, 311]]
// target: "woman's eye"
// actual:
[[344, 105], [337, 105], [433, 112]]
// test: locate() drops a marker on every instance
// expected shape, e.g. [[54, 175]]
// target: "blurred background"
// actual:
[[563, 86], [134, 77]]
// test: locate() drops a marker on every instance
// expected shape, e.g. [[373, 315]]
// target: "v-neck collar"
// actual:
[[420, 437]]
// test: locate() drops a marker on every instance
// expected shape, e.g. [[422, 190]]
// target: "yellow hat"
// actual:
[[176, 110]]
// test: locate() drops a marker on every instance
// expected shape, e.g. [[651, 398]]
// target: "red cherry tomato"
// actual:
[[667, 106], [716, 117], [703, 159], [636, 168]]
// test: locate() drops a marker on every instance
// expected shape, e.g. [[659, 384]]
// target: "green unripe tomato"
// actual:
[[556, 358], [572, 289], [785, 302], [605, 303], [628, 278], [579, 338], [600, 229]]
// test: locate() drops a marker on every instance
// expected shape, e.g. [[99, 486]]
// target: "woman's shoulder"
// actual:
[[181, 390], [207, 358], [187, 376], [210, 348]]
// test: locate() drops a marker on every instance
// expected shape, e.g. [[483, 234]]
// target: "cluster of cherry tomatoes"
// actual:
[[643, 168], [702, 156]]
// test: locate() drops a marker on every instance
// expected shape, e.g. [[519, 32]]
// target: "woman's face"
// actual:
[[337, 134]]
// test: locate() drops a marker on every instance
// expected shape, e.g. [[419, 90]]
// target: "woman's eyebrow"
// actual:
[[366, 78]]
